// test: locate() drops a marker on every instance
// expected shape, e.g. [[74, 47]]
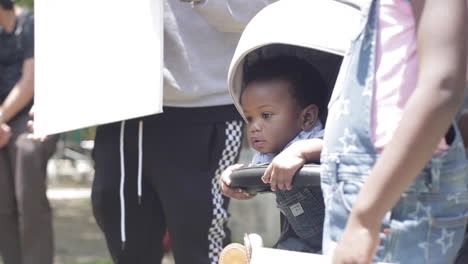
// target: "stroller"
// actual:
[[318, 31]]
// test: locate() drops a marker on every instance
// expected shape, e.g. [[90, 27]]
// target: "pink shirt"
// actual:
[[396, 72]]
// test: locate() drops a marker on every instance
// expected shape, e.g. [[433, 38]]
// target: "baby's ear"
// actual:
[[309, 116]]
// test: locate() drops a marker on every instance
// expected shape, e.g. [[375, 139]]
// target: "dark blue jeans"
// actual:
[[303, 212]]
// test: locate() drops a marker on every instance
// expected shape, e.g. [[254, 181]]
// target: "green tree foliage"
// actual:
[[25, 3]]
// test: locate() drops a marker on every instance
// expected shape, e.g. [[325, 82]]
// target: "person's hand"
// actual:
[[282, 168], [225, 182], [31, 134], [349, 252], [5, 135]]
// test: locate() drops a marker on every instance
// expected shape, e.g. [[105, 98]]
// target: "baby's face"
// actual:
[[273, 115]]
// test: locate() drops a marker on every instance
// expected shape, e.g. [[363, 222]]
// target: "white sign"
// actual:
[[96, 62]]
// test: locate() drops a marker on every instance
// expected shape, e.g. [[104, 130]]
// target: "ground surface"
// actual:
[[78, 240]]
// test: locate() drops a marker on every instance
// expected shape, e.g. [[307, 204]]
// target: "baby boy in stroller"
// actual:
[[281, 84], [283, 100]]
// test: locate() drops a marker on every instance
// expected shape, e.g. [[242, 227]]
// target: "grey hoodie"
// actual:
[[199, 42]]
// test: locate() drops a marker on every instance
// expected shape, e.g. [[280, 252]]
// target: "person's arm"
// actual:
[[21, 94], [23, 91], [17, 99], [282, 168], [441, 41], [230, 15]]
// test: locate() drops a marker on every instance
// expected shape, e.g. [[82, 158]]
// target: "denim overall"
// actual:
[[428, 222], [302, 208]]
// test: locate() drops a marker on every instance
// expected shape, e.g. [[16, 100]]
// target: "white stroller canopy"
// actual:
[[325, 28]]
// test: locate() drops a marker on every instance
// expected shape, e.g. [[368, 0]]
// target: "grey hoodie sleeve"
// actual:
[[230, 15]]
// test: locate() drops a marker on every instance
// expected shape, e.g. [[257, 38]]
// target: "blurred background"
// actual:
[[25, 3]]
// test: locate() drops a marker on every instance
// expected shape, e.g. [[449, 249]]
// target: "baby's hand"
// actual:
[[281, 170], [225, 182]]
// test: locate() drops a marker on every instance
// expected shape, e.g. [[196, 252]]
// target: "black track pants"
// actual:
[[182, 153]]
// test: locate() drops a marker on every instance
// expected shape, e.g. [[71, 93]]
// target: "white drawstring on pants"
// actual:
[[122, 183], [140, 158], [122, 175]]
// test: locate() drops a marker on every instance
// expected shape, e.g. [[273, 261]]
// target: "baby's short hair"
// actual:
[[308, 84]]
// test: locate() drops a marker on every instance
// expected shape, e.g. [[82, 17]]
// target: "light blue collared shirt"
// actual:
[[315, 132]]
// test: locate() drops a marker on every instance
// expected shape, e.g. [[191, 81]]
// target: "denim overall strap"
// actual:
[[348, 126]]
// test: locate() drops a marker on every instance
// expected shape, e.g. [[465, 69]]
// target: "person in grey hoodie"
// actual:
[[160, 172]]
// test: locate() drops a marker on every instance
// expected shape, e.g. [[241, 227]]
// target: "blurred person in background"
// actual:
[[26, 235]]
